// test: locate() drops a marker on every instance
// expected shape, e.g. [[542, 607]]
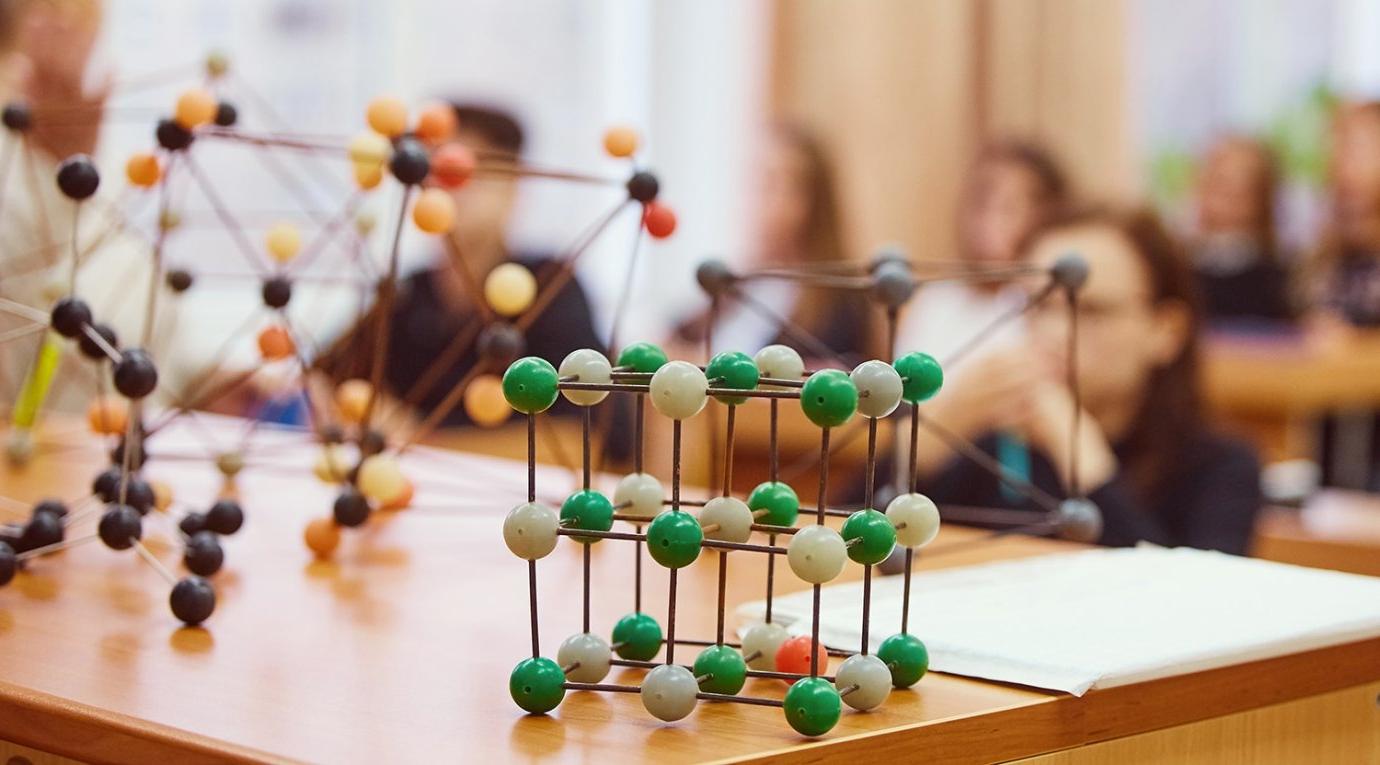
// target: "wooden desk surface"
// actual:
[[1271, 374], [400, 649], [1337, 529]]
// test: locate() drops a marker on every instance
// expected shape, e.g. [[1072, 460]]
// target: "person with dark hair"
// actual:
[[437, 304], [1143, 453], [1235, 249]]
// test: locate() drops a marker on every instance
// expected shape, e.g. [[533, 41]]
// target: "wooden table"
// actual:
[[400, 650], [1336, 529]]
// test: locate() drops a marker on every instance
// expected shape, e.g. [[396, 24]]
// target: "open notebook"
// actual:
[[1099, 618]]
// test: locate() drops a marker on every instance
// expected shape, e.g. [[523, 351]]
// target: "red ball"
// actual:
[[659, 220], [452, 165], [794, 656]]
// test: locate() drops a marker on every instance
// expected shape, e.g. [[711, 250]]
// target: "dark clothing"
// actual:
[[1210, 502], [1353, 290], [1241, 283]]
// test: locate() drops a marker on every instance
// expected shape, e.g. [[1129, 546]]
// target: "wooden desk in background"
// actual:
[[1337, 529], [399, 651]]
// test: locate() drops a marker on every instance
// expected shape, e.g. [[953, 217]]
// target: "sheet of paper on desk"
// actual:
[[1099, 618]]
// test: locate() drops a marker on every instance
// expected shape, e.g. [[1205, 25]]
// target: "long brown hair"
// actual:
[[1264, 191], [1334, 242], [1170, 412], [1051, 185]]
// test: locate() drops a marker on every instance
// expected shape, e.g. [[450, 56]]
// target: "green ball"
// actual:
[[921, 376], [829, 398], [778, 499], [537, 685], [732, 369], [642, 357], [726, 669], [674, 539], [531, 385], [813, 706], [875, 534], [906, 657], [637, 636], [588, 510]]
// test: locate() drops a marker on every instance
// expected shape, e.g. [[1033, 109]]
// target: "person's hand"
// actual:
[[1048, 430], [54, 48], [990, 392]]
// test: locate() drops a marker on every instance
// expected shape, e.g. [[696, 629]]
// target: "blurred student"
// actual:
[[1347, 270], [1235, 251], [1143, 452], [1011, 188], [436, 304], [798, 225]]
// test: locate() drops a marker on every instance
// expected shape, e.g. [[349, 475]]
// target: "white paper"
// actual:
[[1100, 618]]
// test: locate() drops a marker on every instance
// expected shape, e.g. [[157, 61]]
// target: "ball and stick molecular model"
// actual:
[[423, 158]]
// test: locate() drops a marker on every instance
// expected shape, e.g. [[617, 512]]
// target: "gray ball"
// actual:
[[890, 254], [1079, 520], [892, 284], [1070, 272], [714, 277]]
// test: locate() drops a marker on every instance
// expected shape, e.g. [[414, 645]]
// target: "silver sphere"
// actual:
[[1080, 521]]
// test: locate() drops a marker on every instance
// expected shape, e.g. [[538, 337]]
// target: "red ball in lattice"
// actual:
[[659, 220]]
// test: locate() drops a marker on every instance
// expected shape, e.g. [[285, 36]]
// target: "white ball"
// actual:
[[871, 676], [733, 517], [586, 365], [590, 653], [530, 530], [669, 692], [781, 362], [679, 390], [816, 554], [639, 495], [916, 519], [764, 640], [879, 388]]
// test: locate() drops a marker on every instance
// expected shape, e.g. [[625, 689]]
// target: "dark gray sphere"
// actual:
[[714, 277], [892, 284], [1070, 272], [1080, 521]]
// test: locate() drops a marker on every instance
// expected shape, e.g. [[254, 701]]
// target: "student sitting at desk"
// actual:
[[1143, 452]]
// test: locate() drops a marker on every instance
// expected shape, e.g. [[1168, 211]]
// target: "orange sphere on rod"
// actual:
[[368, 176], [143, 169], [484, 401], [452, 165], [434, 211], [794, 656], [283, 241], [387, 116], [620, 141], [436, 123], [195, 107], [322, 537], [108, 415], [402, 499], [275, 343], [352, 398], [659, 219]]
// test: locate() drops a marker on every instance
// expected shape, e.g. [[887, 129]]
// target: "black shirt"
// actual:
[[1209, 503]]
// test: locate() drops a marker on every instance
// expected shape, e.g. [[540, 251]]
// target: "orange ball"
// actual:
[[162, 496], [434, 211], [402, 499], [352, 398], [620, 141], [368, 176], [143, 170], [276, 343], [387, 115], [283, 241], [452, 165], [659, 220], [322, 537], [436, 123], [484, 401], [794, 656], [195, 107], [108, 415]]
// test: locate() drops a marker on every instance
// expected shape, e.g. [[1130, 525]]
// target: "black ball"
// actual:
[[17, 116], [88, 347], [43, 529], [1070, 272], [192, 600], [8, 563], [277, 292], [410, 163], [107, 485], [714, 277], [203, 555], [643, 186], [70, 315], [500, 344], [136, 460], [192, 523], [52, 507], [225, 517], [120, 527], [372, 442], [351, 508], [226, 114], [173, 136], [135, 374], [332, 434], [892, 285], [179, 280], [77, 177], [139, 495]]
